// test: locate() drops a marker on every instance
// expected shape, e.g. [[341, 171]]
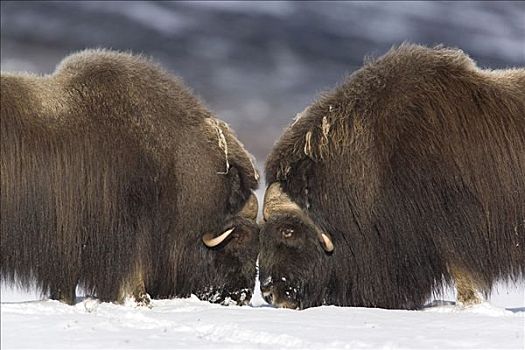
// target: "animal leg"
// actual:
[[65, 294], [467, 289], [136, 289]]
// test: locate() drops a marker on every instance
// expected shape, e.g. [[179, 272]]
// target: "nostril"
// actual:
[[266, 292], [268, 297], [266, 283]]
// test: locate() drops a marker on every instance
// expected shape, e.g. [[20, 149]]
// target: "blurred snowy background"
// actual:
[[256, 64]]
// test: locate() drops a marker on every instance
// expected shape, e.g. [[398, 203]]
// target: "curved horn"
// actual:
[[210, 241], [251, 208], [326, 242], [275, 200]]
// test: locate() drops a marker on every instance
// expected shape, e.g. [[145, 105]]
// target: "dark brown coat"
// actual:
[[111, 173], [415, 167]]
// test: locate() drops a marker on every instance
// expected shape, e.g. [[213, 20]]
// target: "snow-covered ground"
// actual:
[[28, 322]]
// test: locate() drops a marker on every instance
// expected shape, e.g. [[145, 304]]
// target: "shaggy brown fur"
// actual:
[[111, 173], [415, 166]]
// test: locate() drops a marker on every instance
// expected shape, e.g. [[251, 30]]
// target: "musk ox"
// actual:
[[117, 179], [404, 179]]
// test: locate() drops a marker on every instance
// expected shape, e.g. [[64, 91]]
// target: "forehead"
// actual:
[[285, 221]]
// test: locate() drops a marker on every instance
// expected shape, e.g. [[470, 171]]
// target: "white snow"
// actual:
[[28, 322]]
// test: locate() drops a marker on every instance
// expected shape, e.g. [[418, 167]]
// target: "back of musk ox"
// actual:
[[115, 178], [406, 178]]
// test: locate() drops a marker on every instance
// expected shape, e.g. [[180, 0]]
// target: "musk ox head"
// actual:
[[234, 252], [294, 255]]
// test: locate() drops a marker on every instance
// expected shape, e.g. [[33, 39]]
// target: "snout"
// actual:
[[280, 295], [226, 297]]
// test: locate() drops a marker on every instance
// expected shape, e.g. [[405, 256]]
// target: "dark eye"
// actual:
[[287, 233]]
